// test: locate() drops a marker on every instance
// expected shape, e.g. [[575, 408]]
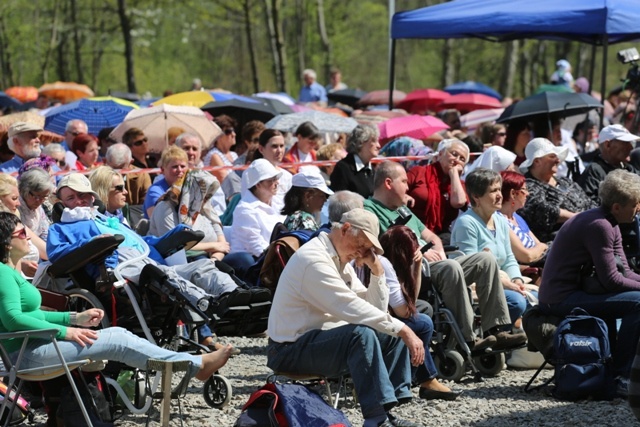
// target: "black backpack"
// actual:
[[97, 399]]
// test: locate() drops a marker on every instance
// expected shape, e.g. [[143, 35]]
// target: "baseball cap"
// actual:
[[367, 222], [540, 147], [77, 182], [617, 132], [308, 179], [20, 127]]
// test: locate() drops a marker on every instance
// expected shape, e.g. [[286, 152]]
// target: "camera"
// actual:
[[404, 215], [631, 56], [627, 56]]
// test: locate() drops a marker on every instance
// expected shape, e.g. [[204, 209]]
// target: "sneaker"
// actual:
[[622, 387], [508, 340], [482, 343]]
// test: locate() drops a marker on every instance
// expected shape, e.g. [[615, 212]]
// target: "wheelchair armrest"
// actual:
[[183, 239], [450, 248], [91, 252]]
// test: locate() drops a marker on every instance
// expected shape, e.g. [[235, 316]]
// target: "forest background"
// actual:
[[248, 46]]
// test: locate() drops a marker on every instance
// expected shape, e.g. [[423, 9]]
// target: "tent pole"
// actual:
[[605, 54], [592, 68], [392, 54]]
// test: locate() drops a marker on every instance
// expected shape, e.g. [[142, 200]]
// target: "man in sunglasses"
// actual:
[[24, 142], [136, 140]]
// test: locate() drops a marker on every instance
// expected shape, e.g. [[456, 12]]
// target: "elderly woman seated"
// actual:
[[552, 200], [35, 187], [304, 201], [354, 172]]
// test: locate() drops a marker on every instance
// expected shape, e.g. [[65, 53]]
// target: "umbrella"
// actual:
[[469, 102], [418, 127], [349, 97], [541, 105], [22, 116], [472, 87], [155, 121], [325, 122], [423, 99], [23, 93], [7, 101], [275, 104], [96, 113], [198, 98], [280, 96], [65, 91], [240, 110], [474, 118], [381, 97], [553, 88]]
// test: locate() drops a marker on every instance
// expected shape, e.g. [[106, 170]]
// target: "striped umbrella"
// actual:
[[97, 113]]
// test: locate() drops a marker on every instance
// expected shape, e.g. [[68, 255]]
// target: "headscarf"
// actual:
[[195, 197], [44, 162], [495, 158]]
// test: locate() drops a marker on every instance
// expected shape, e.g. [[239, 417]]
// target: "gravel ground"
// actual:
[[495, 402]]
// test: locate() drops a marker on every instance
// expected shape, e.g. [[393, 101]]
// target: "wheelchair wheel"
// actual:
[[217, 391], [451, 367], [490, 364], [81, 300]]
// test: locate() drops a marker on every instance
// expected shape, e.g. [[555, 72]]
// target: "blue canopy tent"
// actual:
[[597, 22]]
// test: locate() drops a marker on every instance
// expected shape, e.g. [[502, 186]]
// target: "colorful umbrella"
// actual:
[[65, 92], [97, 113], [473, 119], [466, 102], [472, 87], [22, 116], [7, 101], [23, 93], [423, 99], [325, 122], [418, 127], [381, 97], [198, 98], [541, 105], [156, 121]]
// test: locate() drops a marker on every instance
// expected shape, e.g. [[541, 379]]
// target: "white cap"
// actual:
[[540, 147], [259, 170], [618, 133], [309, 179]]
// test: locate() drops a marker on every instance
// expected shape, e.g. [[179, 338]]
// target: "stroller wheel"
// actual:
[[217, 391], [450, 367], [81, 300], [490, 364]]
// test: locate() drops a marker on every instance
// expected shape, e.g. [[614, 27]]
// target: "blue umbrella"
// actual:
[[97, 115], [7, 101], [472, 87]]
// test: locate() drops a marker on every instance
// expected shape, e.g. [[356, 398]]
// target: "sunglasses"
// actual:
[[20, 234], [229, 131], [119, 188], [140, 142]]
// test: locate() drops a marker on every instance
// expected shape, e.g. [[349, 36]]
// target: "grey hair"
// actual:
[[34, 180], [479, 181], [361, 135], [384, 170], [446, 144], [343, 201], [53, 148], [309, 72], [619, 186], [180, 139], [118, 156], [70, 124]]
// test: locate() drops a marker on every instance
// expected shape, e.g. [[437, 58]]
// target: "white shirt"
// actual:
[[316, 292], [284, 185], [253, 222]]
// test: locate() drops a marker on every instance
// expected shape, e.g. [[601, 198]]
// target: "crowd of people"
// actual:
[[350, 299]]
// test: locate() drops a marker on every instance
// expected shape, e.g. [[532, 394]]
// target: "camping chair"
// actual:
[[343, 384]]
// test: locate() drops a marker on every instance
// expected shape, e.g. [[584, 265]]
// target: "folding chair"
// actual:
[[166, 393], [343, 384]]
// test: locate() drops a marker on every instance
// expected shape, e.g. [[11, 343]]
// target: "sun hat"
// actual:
[[20, 127], [77, 182], [309, 179], [367, 222], [540, 147], [618, 133], [259, 170]]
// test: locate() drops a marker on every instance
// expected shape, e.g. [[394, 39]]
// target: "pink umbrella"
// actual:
[[423, 99], [473, 119], [466, 102], [419, 127], [381, 97]]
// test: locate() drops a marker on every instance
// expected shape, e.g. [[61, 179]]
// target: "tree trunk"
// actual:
[[5, 57], [301, 26], [53, 41], [509, 68], [539, 71], [326, 43], [125, 25], [76, 42], [273, 43], [246, 9], [280, 45], [448, 63]]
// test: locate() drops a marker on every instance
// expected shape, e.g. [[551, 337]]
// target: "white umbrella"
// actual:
[[156, 121], [325, 122]]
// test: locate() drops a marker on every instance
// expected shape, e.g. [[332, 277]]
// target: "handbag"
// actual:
[[589, 281]]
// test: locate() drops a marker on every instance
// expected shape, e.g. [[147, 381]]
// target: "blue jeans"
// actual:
[[609, 307], [114, 343], [516, 303], [422, 325], [378, 363]]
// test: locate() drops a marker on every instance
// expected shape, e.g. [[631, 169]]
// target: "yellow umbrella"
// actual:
[[65, 91], [195, 98], [117, 100]]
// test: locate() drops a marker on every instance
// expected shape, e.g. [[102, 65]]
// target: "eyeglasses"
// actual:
[[38, 196], [20, 234], [229, 131], [140, 142], [119, 188]]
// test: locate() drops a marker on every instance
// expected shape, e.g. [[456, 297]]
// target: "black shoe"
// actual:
[[398, 422], [429, 394], [259, 295], [508, 340], [238, 297]]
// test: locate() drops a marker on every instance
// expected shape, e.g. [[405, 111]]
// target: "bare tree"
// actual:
[[76, 40], [53, 40], [448, 66], [5, 57], [246, 9], [300, 27], [509, 63], [326, 43], [125, 25], [274, 26]]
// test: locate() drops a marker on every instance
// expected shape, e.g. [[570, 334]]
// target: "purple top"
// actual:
[[590, 235]]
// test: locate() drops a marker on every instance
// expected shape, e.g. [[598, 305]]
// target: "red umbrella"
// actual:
[[23, 93], [423, 99], [419, 127], [466, 102], [381, 97]]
